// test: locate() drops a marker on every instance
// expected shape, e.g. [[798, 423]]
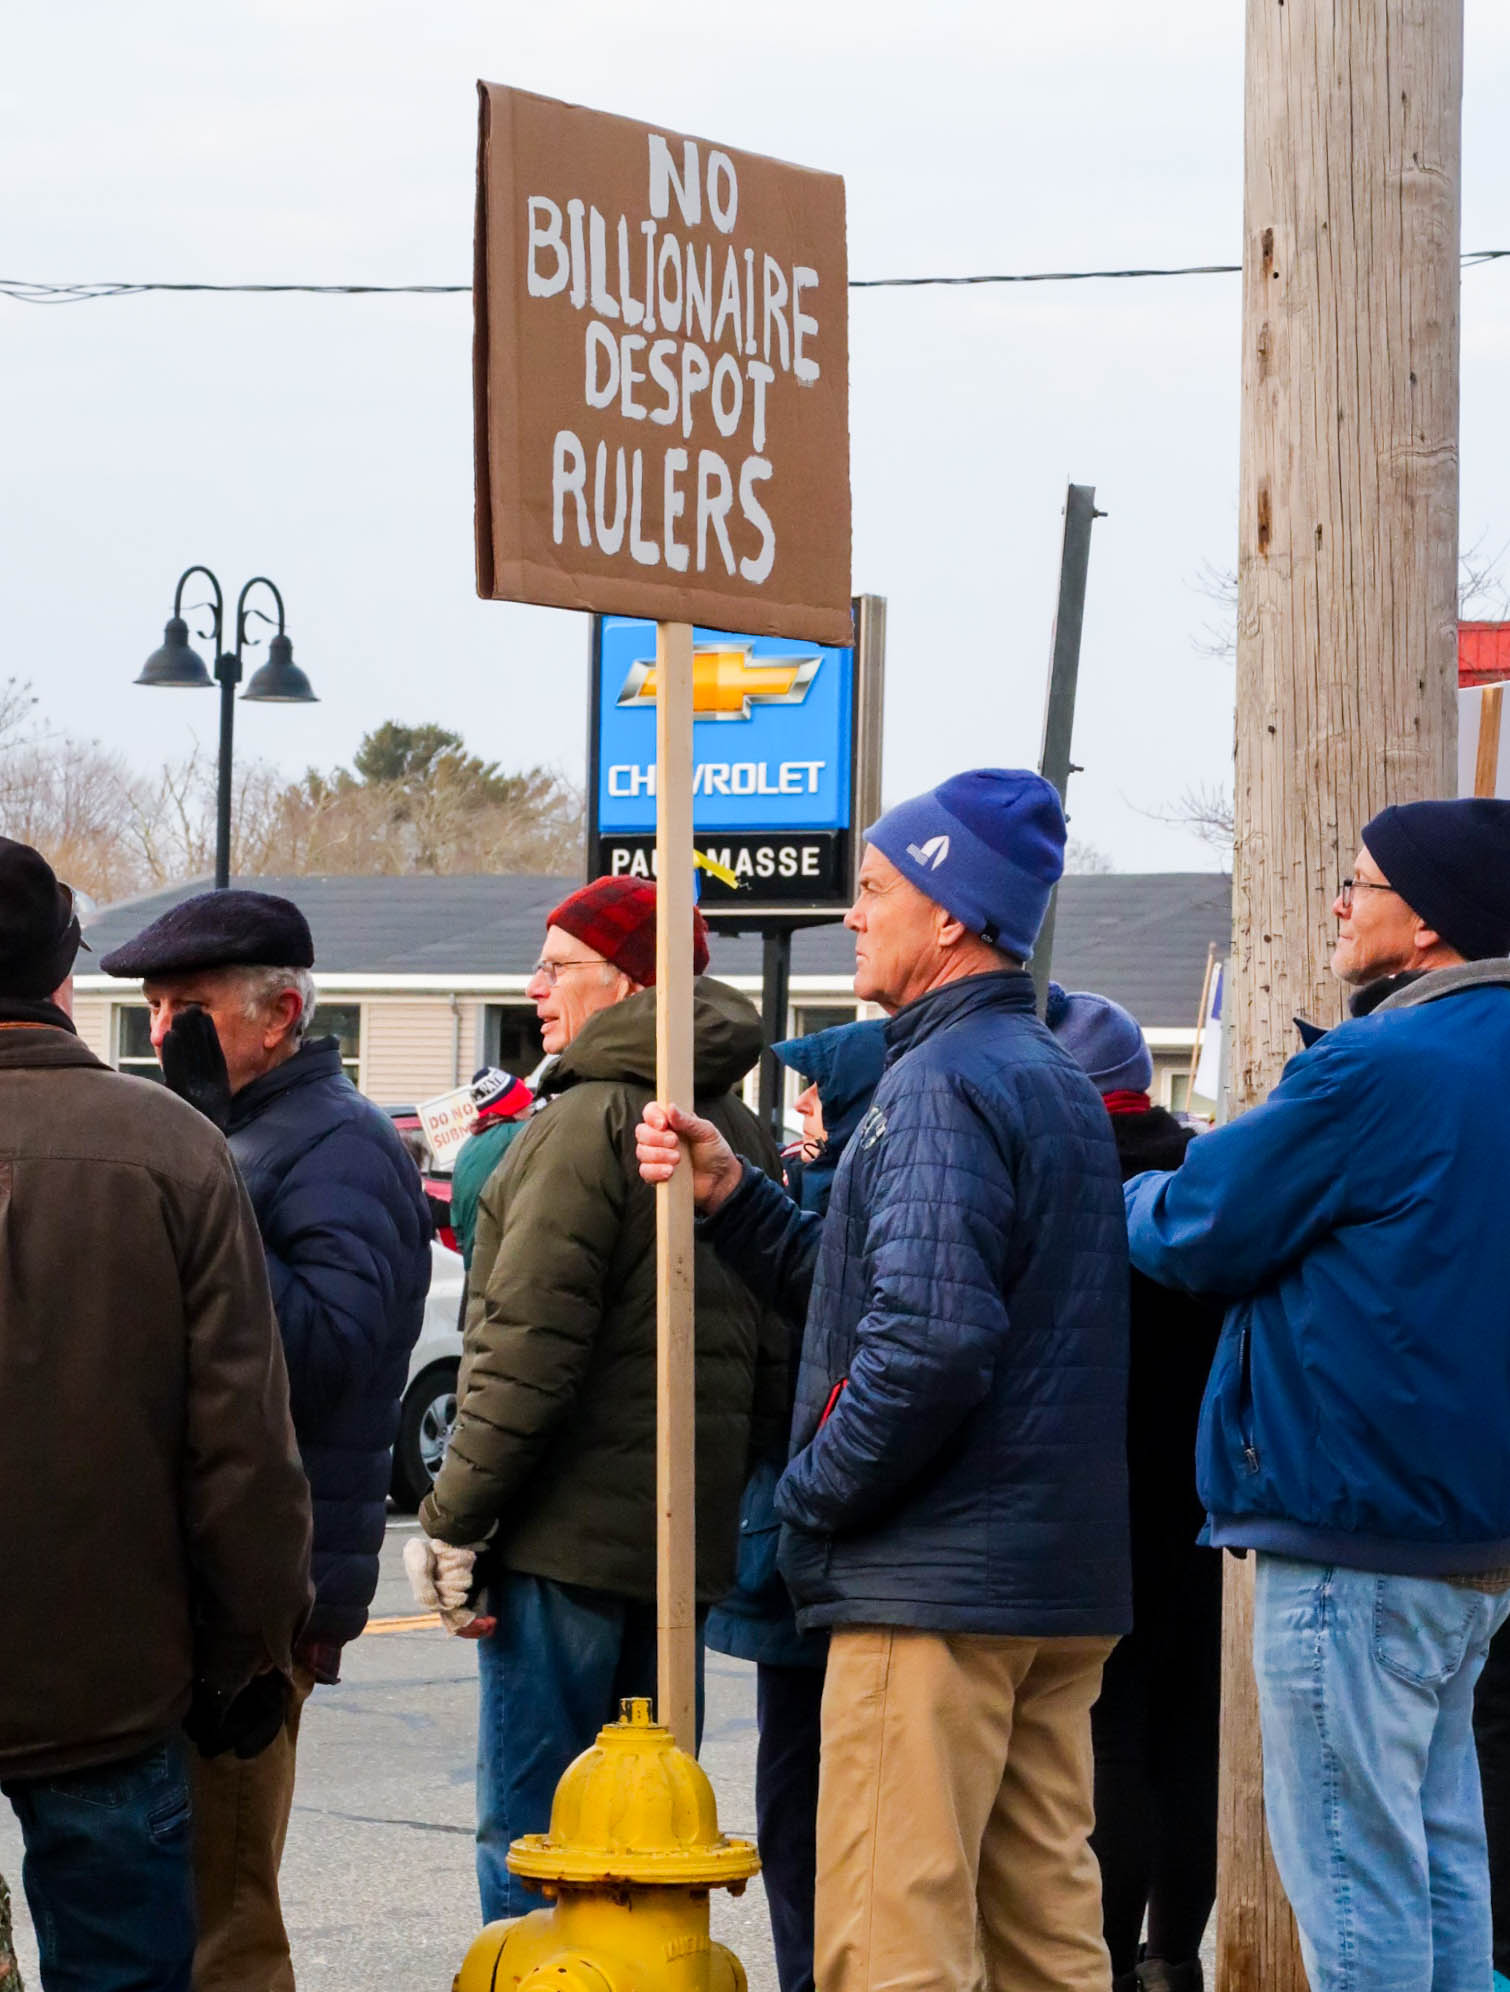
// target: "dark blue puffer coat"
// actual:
[[968, 1328], [346, 1231]]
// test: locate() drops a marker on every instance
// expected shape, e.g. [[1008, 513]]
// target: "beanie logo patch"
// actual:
[[930, 855]]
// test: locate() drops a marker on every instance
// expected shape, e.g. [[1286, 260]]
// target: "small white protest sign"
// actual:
[[447, 1121]]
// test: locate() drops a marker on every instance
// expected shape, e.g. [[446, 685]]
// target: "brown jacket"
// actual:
[[154, 1518]]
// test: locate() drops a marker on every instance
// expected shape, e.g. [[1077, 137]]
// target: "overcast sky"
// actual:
[[327, 442]]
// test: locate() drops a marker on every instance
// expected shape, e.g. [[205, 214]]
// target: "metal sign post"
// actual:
[[1054, 763], [675, 1423], [775, 994]]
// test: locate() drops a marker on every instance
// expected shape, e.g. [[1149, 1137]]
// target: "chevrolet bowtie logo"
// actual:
[[726, 683]]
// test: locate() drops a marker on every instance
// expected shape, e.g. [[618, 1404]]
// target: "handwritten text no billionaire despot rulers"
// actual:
[[691, 333]]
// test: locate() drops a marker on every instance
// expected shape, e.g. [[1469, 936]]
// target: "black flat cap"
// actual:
[[232, 929], [39, 929]]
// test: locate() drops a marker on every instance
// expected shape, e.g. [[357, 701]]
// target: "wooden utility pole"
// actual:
[[1347, 607]]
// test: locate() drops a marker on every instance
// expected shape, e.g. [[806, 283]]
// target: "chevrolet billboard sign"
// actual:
[[785, 751]]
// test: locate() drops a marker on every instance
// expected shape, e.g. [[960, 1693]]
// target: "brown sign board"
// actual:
[[661, 375]]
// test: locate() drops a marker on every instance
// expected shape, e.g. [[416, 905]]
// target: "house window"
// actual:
[[820, 1017], [1179, 1092], [133, 1042], [511, 1038], [342, 1021]]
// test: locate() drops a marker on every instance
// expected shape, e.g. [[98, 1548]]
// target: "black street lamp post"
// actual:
[[277, 682]]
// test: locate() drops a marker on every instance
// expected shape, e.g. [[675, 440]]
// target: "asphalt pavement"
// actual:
[[378, 1885]]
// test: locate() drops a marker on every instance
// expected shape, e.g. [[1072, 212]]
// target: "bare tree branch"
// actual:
[[1205, 809], [1080, 857]]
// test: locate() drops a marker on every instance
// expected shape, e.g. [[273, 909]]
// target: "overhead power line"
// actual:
[[24, 291]]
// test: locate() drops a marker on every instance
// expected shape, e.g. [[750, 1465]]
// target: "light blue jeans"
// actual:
[[1371, 1781]]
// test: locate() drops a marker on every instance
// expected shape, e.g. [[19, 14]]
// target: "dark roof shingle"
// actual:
[[1139, 937]]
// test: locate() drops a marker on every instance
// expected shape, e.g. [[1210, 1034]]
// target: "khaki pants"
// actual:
[[240, 1823], [954, 1815]]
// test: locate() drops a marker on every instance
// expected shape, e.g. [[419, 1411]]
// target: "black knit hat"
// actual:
[[39, 929], [231, 929], [1450, 862]]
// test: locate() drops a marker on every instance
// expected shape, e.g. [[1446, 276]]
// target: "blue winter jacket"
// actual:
[[966, 1337], [1359, 1402], [346, 1231]]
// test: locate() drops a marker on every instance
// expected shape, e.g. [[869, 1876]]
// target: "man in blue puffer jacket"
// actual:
[[346, 1233], [1354, 1430], [956, 1498]]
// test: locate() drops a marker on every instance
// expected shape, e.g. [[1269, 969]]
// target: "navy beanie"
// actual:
[[1104, 1040], [1450, 862], [987, 846]]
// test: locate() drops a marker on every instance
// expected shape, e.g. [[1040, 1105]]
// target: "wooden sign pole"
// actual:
[[1487, 759], [675, 1491], [1200, 1023]]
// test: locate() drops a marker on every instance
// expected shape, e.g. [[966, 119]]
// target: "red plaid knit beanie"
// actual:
[[616, 918]]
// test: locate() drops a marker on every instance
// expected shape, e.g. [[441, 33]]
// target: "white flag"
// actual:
[[1208, 1073]]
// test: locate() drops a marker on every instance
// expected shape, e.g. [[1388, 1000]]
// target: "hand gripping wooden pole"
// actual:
[[676, 1555]]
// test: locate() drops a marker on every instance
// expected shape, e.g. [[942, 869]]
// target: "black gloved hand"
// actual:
[[194, 1066], [246, 1722]]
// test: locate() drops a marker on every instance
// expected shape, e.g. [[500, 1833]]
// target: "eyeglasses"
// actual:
[[1349, 886], [551, 970]]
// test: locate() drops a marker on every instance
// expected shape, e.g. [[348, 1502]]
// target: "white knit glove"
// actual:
[[440, 1573]]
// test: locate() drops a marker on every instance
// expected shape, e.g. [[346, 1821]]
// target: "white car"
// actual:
[[429, 1407]]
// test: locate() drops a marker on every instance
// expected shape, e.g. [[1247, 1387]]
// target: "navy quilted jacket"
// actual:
[[966, 1333], [346, 1231]]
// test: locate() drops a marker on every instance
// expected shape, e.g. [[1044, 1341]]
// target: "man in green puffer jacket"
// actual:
[[552, 1459]]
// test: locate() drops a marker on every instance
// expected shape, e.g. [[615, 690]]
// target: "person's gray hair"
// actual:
[[260, 987]]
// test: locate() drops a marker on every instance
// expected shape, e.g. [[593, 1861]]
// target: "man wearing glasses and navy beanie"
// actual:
[[1354, 1431]]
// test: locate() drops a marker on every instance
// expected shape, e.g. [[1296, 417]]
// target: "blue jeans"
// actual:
[[1371, 1783], [550, 1676], [109, 1875]]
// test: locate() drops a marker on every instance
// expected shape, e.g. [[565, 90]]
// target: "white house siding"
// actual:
[[415, 1047], [91, 1019]]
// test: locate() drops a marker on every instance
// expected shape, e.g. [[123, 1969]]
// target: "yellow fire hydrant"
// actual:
[[633, 1850]]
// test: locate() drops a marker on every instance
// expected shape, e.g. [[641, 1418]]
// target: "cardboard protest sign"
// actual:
[[447, 1120], [661, 375]]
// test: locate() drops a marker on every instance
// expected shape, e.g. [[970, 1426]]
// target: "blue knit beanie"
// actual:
[[987, 846], [1103, 1039], [1450, 862]]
